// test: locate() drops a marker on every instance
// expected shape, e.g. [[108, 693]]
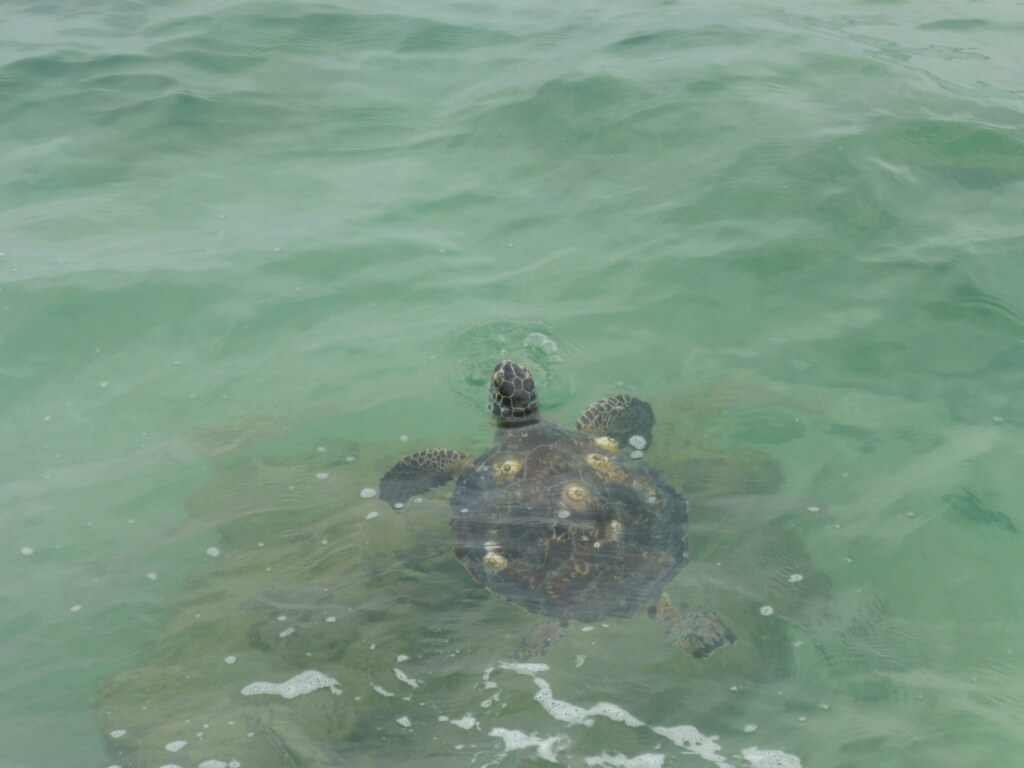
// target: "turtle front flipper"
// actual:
[[698, 632], [621, 417], [419, 472]]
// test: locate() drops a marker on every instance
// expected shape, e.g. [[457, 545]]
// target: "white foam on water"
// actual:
[[302, 683], [404, 721], [465, 722], [175, 746], [411, 681], [213, 552], [547, 749], [382, 691], [117, 733], [27, 550], [213, 764], [692, 740], [686, 737], [519, 667], [770, 758], [647, 760]]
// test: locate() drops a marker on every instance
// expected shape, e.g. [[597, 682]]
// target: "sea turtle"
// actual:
[[565, 523]]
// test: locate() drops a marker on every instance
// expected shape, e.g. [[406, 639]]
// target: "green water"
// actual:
[[253, 252]]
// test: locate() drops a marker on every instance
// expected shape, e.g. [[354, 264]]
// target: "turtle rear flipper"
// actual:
[[419, 472], [619, 416], [698, 632], [541, 638]]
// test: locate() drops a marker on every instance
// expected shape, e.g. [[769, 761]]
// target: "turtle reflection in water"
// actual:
[[565, 523]]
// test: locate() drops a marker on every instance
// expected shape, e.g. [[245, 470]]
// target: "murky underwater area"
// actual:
[[252, 253]]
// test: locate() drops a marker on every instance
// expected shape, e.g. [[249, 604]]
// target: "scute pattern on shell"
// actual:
[[579, 539]]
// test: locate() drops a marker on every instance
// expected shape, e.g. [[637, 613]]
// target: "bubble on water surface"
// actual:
[[770, 758], [604, 760], [213, 552], [175, 746], [27, 550], [368, 493], [410, 681], [465, 722], [302, 683], [472, 354], [686, 737], [547, 749]]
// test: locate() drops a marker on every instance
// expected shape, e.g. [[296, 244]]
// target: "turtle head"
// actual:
[[513, 395]]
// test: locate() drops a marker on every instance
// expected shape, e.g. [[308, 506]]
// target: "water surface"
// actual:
[[253, 252]]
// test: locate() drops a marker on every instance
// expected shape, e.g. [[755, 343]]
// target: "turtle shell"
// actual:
[[568, 526]]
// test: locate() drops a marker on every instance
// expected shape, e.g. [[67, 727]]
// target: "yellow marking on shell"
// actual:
[[575, 496], [493, 561], [506, 470], [614, 530], [604, 467], [606, 443]]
